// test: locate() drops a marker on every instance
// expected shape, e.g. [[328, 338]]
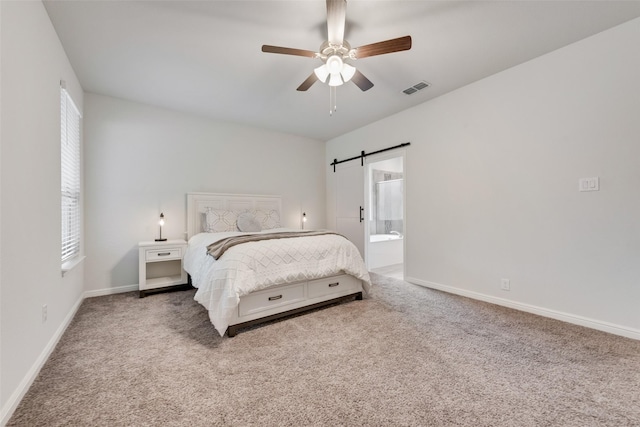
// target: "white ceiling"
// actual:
[[204, 57]]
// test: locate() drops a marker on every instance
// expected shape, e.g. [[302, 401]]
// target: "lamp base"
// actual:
[[160, 240]]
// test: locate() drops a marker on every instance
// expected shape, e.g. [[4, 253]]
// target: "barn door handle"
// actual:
[[361, 211]]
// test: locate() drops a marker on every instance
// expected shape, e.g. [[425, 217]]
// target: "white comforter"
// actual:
[[257, 265]]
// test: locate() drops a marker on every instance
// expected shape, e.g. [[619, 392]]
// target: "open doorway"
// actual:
[[385, 234]]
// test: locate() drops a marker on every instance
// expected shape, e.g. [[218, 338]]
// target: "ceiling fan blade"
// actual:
[[308, 82], [380, 48], [288, 51], [361, 81], [336, 17]]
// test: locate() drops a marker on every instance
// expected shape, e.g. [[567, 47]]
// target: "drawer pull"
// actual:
[[275, 297], [333, 285], [164, 253]]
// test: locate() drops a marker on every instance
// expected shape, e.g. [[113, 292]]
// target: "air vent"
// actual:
[[416, 87]]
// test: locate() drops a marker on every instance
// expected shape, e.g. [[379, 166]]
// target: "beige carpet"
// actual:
[[407, 356]]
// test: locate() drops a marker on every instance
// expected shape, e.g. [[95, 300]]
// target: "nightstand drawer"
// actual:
[[152, 255]]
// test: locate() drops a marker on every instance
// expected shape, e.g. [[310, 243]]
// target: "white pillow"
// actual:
[[268, 219], [219, 220], [248, 223]]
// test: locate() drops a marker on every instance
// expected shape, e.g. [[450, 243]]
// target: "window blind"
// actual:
[[70, 175]]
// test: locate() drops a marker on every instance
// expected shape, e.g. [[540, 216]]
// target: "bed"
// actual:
[[273, 275]]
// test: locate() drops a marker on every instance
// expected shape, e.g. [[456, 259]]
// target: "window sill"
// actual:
[[71, 264]]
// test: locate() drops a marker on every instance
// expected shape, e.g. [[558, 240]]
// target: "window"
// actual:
[[70, 175]]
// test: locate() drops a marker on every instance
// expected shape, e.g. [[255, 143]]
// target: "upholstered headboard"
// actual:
[[197, 204]]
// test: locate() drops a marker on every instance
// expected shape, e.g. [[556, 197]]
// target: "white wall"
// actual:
[[492, 184], [33, 63], [142, 160]]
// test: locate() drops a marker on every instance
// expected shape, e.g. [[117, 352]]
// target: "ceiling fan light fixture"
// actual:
[[334, 64], [348, 72]]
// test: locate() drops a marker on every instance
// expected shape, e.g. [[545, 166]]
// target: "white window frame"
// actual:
[[70, 180]]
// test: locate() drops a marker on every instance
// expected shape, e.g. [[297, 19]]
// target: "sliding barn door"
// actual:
[[349, 181]]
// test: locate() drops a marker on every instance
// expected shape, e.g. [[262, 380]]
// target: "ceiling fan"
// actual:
[[336, 51]]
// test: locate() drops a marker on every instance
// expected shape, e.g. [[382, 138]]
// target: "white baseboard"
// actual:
[[110, 291], [32, 374], [23, 387], [545, 312]]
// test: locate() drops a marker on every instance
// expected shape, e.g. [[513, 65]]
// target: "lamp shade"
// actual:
[[347, 72], [322, 73], [335, 80]]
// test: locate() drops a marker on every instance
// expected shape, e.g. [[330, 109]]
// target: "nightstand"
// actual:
[[160, 265]]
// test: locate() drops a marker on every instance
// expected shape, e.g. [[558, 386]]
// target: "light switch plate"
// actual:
[[589, 184]]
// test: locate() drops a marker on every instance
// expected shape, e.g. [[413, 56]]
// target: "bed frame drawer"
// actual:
[[271, 298], [333, 285]]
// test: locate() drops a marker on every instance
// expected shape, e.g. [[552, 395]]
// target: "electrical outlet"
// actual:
[[44, 313], [505, 284]]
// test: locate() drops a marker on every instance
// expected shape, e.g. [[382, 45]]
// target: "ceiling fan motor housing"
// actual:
[[344, 50]]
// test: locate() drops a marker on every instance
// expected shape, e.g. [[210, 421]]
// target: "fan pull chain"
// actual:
[[333, 103]]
